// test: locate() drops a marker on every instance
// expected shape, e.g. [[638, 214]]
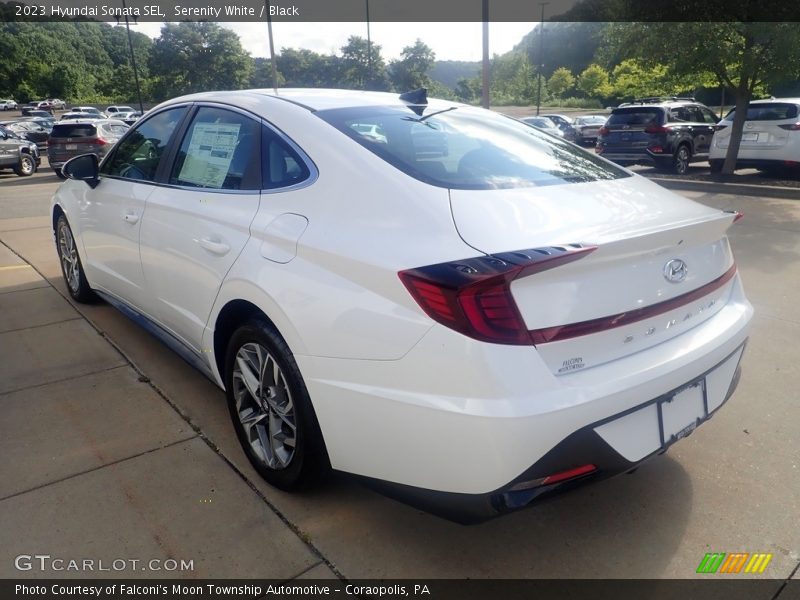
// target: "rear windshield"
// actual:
[[774, 111], [635, 116], [468, 148], [73, 130]]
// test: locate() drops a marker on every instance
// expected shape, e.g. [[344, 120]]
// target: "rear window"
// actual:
[[636, 116], [774, 111], [467, 148], [73, 130]]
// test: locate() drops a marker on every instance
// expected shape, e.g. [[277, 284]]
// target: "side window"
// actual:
[[680, 114], [282, 166], [139, 155], [709, 117], [220, 151]]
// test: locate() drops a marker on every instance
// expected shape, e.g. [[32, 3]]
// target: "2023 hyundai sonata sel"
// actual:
[[470, 324]]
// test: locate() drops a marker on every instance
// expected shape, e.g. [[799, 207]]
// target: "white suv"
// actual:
[[770, 138], [470, 325]]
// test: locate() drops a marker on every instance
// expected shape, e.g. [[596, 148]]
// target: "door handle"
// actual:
[[218, 248], [131, 218]]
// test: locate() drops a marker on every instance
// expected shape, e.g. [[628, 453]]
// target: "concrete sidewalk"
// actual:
[[96, 464]]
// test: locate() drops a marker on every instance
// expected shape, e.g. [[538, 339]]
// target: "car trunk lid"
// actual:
[[662, 262]]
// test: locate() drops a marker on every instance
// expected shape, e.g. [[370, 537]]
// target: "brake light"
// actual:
[[473, 296], [656, 129], [791, 127], [603, 131]]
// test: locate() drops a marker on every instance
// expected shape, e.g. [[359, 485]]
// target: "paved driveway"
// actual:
[[113, 446]]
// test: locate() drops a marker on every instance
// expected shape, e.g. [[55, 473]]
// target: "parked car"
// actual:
[[543, 124], [586, 128], [17, 153], [73, 138], [8, 104], [73, 115], [112, 110], [564, 123], [91, 110], [38, 113], [29, 130], [46, 122], [28, 108], [770, 138], [470, 331], [129, 118], [57, 104], [669, 134]]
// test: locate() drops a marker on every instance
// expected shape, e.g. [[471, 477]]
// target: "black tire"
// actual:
[[71, 266], [716, 165], [680, 162], [59, 174], [307, 464], [26, 166]]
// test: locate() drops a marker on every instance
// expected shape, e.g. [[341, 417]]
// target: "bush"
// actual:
[[580, 103]]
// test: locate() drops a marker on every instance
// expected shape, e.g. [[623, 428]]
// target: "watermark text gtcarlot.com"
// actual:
[[45, 562]]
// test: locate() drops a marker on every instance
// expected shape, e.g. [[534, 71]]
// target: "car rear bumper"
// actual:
[[588, 446], [644, 157], [456, 417]]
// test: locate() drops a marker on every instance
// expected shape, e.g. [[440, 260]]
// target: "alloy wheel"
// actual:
[[682, 161], [69, 257], [264, 406]]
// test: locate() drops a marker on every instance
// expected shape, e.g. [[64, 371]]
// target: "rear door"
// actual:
[[110, 215], [198, 220], [633, 129]]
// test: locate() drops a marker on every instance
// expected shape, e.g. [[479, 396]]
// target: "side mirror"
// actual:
[[83, 168]]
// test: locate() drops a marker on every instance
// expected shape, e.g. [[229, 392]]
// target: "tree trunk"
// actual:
[[743, 96]]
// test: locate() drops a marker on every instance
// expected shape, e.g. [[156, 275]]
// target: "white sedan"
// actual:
[[770, 138], [469, 325]]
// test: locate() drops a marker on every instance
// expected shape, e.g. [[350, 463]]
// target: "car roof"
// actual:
[[770, 100], [316, 99]]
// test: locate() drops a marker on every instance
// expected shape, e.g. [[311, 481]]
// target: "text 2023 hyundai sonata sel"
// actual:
[[471, 324]]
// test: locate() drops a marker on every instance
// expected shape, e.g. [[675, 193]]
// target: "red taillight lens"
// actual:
[[656, 149], [791, 127], [473, 296], [656, 129], [603, 131], [571, 474]]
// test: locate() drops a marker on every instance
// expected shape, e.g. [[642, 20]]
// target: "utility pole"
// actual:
[[369, 46], [485, 93], [133, 58], [541, 61], [271, 49]]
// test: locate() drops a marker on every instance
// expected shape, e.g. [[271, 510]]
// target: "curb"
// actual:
[[738, 189]]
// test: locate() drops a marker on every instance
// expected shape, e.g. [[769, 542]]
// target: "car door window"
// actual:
[[282, 165], [708, 116], [220, 151], [139, 154]]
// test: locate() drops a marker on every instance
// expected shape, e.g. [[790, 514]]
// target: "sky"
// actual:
[[450, 41]]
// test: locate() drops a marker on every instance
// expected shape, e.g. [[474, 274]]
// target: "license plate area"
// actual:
[[71, 146], [680, 414], [749, 137]]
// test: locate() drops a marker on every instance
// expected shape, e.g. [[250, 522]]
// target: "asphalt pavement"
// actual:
[[113, 447]]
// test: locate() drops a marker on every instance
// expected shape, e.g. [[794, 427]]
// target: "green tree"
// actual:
[[740, 55], [412, 70], [593, 82], [561, 81], [362, 66], [198, 57]]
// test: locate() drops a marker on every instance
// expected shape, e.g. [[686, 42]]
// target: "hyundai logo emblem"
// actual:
[[675, 270]]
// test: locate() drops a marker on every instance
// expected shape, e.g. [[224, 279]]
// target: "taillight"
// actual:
[[791, 127], [603, 131], [473, 296], [560, 477], [656, 129]]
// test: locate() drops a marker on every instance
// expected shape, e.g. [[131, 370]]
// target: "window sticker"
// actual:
[[210, 154]]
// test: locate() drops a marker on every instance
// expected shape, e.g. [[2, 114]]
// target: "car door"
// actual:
[[110, 214], [702, 128], [198, 220]]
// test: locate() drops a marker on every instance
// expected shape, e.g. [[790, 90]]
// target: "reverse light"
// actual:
[[473, 296]]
